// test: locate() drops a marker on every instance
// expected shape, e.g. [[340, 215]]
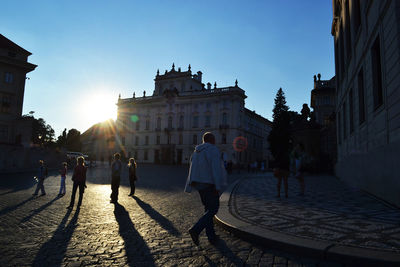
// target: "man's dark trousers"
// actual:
[[210, 199], [115, 180], [81, 191]]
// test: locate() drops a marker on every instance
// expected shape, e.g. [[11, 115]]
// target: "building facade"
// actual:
[[166, 126], [14, 65], [367, 58]]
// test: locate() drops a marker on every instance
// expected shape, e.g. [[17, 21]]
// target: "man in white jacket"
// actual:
[[207, 175]]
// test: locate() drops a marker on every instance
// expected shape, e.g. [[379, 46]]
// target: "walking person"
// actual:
[[281, 171], [298, 156], [116, 168], [42, 174], [79, 179], [206, 174], [132, 175], [63, 173]]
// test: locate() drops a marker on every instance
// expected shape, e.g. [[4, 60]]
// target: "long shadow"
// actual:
[[227, 252], [155, 215], [52, 252], [38, 210], [12, 208], [137, 251]]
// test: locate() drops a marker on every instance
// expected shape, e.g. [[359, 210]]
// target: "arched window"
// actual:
[[224, 118], [170, 122], [181, 120], [158, 123], [223, 139]]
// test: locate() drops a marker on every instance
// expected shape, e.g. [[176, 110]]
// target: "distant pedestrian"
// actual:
[[206, 174], [281, 171], [116, 168], [63, 173], [132, 175], [42, 174], [298, 158], [79, 179]]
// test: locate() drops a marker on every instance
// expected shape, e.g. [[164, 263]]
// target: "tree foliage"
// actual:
[[279, 137], [42, 133], [73, 140]]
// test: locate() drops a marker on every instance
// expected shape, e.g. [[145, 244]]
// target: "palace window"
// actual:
[[169, 122], [180, 139], [207, 121], [137, 126], [147, 124], [195, 139], [224, 118], [377, 74], [158, 123], [9, 77], [361, 104], [195, 121], [158, 140], [181, 120], [223, 138]]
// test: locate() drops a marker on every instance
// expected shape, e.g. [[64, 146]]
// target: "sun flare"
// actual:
[[99, 107]]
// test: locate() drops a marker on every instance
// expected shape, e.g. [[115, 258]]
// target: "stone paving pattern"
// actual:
[[330, 211], [147, 230]]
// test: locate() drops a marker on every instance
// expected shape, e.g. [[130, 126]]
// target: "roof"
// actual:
[[10, 45]]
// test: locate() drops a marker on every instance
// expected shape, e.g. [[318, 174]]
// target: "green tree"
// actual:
[[73, 141], [42, 133], [279, 137]]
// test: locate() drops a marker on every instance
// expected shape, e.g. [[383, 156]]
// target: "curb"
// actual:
[[317, 249]]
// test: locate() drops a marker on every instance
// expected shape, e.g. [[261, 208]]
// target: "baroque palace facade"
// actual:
[[166, 126]]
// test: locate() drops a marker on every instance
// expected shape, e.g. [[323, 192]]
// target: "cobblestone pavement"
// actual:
[[329, 211], [147, 230]]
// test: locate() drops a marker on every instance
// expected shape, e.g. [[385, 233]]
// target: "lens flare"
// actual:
[[240, 144], [134, 118]]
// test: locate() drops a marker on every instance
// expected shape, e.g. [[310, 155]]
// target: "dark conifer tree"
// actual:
[[279, 137]]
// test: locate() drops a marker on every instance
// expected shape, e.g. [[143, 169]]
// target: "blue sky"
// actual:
[[88, 52]]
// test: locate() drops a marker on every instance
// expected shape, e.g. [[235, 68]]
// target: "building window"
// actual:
[[223, 138], [158, 123], [3, 133], [147, 124], [146, 140], [344, 120], [361, 104], [146, 155], [341, 51], [181, 122], [224, 118], [356, 8], [137, 126], [5, 103], [377, 74], [169, 122], [207, 121], [9, 77], [137, 140], [195, 121], [339, 130], [351, 111], [180, 139], [158, 140], [169, 138], [195, 139], [348, 32]]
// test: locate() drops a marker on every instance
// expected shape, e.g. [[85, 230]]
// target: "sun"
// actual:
[[98, 107]]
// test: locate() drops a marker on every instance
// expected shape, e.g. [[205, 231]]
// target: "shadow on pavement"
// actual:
[[222, 247], [133, 241], [12, 208], [155, 215], [52, 252], [38, 210]]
